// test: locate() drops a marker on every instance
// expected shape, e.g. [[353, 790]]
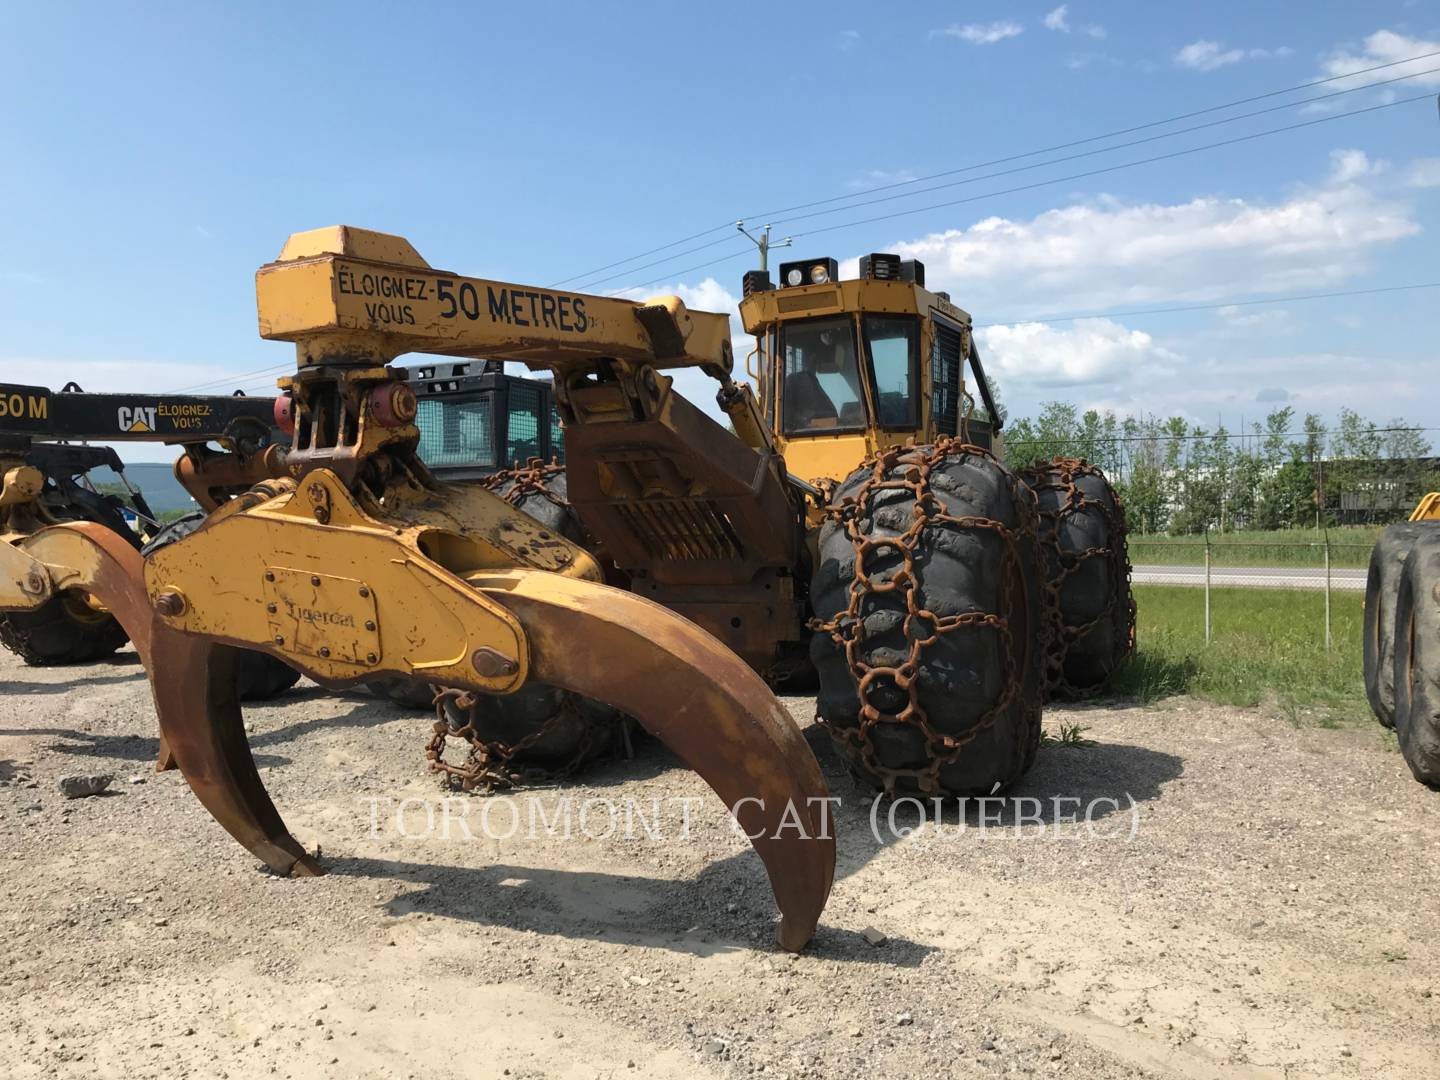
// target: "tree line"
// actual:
[[1282, 472]]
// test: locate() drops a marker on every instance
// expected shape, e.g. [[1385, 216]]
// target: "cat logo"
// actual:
[[137, 420]]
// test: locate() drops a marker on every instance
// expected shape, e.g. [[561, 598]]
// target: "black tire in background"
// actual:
[[1416, 664], [406, 693], [560, 730], [64, 630], [542, 492], [976, 686], [1387, 566], [258, 676], [1088, 604]]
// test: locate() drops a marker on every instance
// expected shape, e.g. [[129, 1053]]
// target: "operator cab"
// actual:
[[848, 367], [474, 419]]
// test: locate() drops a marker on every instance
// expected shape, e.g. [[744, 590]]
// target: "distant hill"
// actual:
[[156, 482]]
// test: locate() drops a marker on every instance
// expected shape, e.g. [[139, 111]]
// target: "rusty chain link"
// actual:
[[492, 764], [922, 627], [1062, 475], [529, 479]]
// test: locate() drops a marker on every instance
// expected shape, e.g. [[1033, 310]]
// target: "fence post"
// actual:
[[1207, 586], [1327, 590]]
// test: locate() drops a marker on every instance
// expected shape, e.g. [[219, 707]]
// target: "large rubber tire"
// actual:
[[406, 693], [576, 729], [1387, 566], [1417, 658], [258, 676], [573, 730], [970, 717], [65, 630], [1088, 605]]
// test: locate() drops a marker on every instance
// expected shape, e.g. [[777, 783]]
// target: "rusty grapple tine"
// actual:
[[197, 701], [95, 559], [701, 700]]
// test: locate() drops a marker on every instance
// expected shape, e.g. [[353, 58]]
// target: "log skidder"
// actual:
[[927, 603], [360, 564], [1088, 607]]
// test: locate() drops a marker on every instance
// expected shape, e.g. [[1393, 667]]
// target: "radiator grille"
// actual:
[[688, 529]]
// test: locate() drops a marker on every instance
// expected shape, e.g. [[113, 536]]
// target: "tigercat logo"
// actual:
[[136, 419], [320, 617]]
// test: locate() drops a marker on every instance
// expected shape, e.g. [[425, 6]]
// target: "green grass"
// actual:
[[1066, 735], [1267, 647], [1349, 547]]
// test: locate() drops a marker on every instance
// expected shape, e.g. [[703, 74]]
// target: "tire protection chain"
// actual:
[[489, 764], [529, 479], [1061, 475], [847, 628]]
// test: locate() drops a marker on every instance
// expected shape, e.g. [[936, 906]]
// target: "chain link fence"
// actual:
[[1322, 580]]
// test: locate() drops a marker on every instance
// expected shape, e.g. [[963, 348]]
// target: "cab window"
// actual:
[[893, 343], [821, 393], [523, 430], [456, 432]]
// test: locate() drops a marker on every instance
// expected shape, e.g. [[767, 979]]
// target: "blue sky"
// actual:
[[151, 157]]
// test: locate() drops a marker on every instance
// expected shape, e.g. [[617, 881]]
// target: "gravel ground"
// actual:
[[1266, 908]]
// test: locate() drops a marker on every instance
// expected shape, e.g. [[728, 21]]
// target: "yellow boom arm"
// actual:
[[360, 293]]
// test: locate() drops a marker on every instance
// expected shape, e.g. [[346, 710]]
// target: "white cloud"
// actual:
[[1089, 351], [1350, 165], [1423, 173], [873, 178], [1386, 47], [847, 40], [1106, 253], [1205, 55], [1097, 32], [1056, 20], [981, 33], [1235, 318]]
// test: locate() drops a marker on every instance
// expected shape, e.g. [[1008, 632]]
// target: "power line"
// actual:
[[1018, 157], [1215, 306], [657, 262], [672, 275], [1117, 133], [1116, 168], [1010, 190], [224, 379], [632, 258], [1105, 149]]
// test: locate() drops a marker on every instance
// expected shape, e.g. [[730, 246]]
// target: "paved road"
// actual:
[[1252, 577]]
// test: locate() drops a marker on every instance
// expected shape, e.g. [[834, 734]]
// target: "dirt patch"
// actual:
[[1216, 893]]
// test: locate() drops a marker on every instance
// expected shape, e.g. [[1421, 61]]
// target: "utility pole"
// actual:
[[763, 243]]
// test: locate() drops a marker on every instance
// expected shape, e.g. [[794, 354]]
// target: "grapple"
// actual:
[[359, 565]]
